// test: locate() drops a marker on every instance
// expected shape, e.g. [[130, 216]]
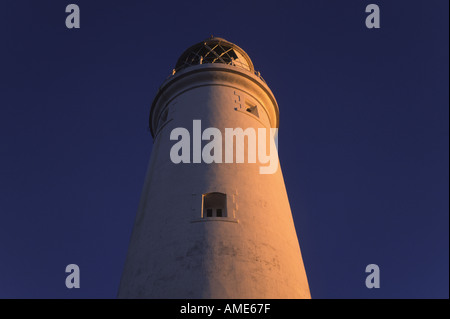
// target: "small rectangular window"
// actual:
[[214, 205]]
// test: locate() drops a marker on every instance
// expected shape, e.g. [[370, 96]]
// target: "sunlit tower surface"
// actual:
[[212, 230]]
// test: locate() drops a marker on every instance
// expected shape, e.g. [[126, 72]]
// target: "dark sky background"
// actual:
[[363, 140]]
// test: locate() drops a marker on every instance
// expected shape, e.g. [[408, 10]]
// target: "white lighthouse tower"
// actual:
[[219, 229]]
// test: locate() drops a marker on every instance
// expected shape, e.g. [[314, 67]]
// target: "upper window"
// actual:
[[252, 109]]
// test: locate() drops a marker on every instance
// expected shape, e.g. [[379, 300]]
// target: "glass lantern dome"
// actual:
[[214, 50]]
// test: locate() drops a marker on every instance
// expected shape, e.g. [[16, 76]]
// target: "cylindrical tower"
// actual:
[[220, 229]]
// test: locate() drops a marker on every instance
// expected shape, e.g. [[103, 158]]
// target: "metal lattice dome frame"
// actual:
[[214, 50]]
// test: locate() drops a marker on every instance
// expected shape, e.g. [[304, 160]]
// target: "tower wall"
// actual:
[[177, 253]]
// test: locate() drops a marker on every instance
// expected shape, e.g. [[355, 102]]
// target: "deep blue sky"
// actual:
[[364, 135]]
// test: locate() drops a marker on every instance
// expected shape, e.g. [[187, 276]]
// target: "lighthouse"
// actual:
[[214, 219]]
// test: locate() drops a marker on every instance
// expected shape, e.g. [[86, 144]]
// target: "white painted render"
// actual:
[[174, 252]]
